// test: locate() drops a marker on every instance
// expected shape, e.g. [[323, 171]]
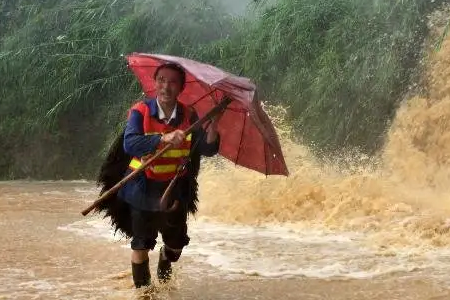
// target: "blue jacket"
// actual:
[[143, 193]]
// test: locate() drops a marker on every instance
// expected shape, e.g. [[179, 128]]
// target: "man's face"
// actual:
[[168, 85]]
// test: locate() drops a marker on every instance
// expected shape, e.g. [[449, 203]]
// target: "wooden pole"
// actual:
[[214, 111]]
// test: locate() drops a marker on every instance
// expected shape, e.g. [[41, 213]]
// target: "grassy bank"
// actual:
[[341, 66]]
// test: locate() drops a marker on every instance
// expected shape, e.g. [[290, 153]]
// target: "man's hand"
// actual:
[[175, 137]]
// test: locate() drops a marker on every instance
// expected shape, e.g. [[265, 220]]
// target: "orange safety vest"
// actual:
[[164, 167]]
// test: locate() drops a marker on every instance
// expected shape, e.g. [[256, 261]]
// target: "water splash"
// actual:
[[402, 200]]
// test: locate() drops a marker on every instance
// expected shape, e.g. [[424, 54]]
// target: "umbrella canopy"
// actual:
[[248, 137]]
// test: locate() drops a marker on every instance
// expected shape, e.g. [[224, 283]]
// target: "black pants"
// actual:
[[147, 224]]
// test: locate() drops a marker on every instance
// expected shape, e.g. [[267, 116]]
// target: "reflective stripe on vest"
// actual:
[[135, 164], [160, 169], [188, 137], [175, 153]]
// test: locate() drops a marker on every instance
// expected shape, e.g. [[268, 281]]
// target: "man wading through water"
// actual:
[[151, 125]]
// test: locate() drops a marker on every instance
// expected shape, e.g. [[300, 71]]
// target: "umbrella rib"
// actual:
[[240, 140], [209, 87], [202, 97]]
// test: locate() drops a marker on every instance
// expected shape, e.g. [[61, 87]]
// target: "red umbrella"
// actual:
[[248, 137]]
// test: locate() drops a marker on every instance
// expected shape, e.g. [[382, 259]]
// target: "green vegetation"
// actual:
[[340, 65]]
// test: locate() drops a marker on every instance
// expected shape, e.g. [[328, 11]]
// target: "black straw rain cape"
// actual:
[[112, 171]]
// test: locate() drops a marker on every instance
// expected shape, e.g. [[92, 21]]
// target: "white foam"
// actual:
[[87, 194], [37, 285], [280, 252], [23, 284], [55, 193], [277, 251], [92, 228], [79, 181], [87, 191], [17, 272]]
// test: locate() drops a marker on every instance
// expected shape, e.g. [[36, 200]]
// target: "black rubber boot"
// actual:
[[164, 267], [141, 274]]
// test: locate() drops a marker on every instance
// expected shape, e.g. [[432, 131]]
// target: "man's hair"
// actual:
[[172, 66]]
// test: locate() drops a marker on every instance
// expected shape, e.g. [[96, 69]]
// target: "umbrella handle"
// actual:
[[214, 111], [174, 206], [165, 197]]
